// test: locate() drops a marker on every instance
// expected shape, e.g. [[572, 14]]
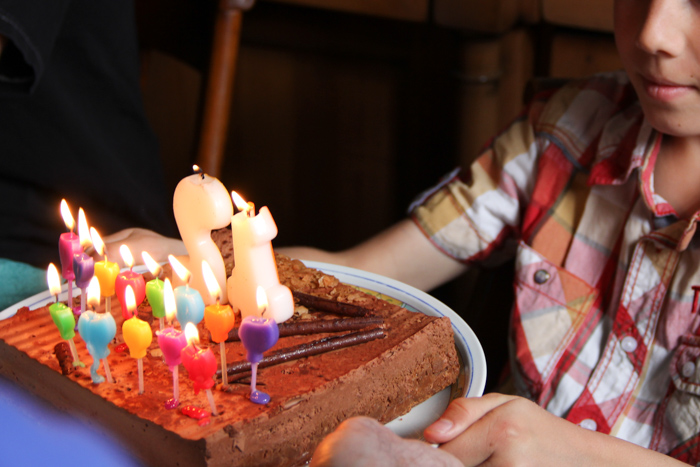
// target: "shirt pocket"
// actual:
[[550, 306], [681, 417]]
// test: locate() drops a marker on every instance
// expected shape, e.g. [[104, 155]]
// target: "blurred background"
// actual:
[[341, 111]]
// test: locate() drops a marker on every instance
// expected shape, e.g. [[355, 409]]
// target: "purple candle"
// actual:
[[258, 334], [83, 264]]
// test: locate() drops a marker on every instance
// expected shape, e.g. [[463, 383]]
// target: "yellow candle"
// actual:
[[137, 334]]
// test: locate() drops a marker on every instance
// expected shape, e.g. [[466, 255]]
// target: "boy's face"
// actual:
[[659, 44]]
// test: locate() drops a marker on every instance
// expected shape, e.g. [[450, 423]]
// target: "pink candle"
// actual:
[[200, 364], [68, 245], [171, 342], [129, 278]]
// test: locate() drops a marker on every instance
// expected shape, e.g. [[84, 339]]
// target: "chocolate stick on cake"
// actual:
[[318, 326], [326, 344]]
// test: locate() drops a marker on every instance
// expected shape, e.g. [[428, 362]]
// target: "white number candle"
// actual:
[[201, 204], [255, 264]]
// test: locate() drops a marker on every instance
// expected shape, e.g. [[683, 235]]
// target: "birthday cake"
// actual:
[[400, 359]]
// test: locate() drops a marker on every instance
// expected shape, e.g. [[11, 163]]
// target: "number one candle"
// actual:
[[154, 288], [255, 263], [171, 342], [190, 306], [258, 334], [200, 364], [97, 330], [106, 271], [68, 244], [129, 278], [219, 319], [83, 264], [62, 315], [137, 334]]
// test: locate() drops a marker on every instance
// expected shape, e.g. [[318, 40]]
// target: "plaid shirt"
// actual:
[[603, 332]]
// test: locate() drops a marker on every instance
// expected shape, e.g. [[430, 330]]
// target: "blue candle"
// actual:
[[189, 304], [97, 330]]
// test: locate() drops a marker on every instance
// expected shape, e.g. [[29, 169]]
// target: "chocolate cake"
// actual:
[[382, 378]]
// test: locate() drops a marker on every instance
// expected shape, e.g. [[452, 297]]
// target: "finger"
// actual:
[[461, 414], [362, 441]]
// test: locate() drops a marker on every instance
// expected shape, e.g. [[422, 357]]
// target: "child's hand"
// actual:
[[498, 430], [364, 442], [138, 240]]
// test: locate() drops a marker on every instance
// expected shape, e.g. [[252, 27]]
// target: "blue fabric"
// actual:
[[19, 281], [33, 433]]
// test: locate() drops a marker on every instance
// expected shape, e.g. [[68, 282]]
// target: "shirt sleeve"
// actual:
[[468, 218], [31, 27]]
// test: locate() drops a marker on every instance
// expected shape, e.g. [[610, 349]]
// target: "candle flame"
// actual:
[[211, 282], [261, 298], [93, 292], [182, 272], [191, 333], [97, 242], [169, 300], [130, 300], [151, 264], [67, 216], [240, 203], [53, 280], [83, 231], [128, 258]]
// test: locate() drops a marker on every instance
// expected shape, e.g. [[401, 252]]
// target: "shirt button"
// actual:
[[688, 369], [541, 276], [629, 344], [589, 424]]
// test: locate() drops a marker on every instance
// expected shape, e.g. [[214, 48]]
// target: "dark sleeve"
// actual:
[[31, 27]]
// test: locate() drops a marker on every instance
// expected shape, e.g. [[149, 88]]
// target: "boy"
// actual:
[[595, 191]]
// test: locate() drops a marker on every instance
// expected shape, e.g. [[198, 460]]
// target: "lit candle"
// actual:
[[97, 330], [83, 264], [200, 364], [106, 271], [129, 278], [171, 342], [154, 288], [68, 245], [255, 264], [258, 334], [62, 315], [219, 319], [190, 306], [201, 204], [137, 334]]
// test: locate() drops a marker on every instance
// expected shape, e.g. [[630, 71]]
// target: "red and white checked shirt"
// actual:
[[602, 329]]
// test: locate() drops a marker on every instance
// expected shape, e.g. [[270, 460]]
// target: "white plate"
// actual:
[[413, 423]]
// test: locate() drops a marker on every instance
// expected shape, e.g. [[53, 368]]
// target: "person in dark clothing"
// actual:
[[72, 126]]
